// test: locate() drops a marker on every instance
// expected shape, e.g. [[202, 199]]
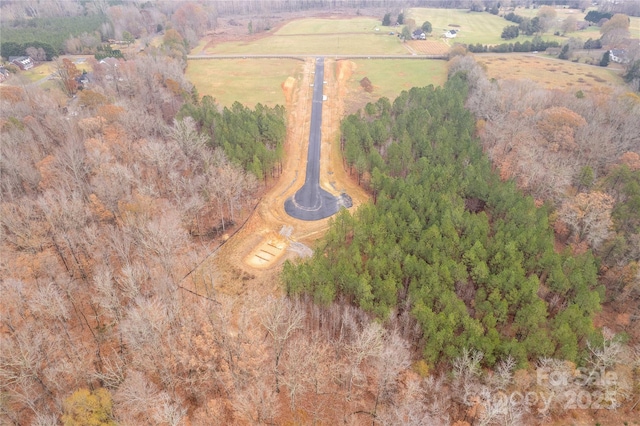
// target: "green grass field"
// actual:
[[390, 77], [44, 69], [332, 44], [330, 26], [252, 81], [38, 72], [248, 81], [475, 27], [314, 36]]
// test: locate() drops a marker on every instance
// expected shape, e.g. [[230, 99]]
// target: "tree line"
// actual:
[[47, 33], [254, 139], [537, 44]]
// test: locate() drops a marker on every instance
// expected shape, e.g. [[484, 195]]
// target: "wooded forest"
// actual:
[[503, 232], [252, 139], [471, 258]]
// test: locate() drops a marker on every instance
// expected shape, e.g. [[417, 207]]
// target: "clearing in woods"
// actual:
[[251, 259]]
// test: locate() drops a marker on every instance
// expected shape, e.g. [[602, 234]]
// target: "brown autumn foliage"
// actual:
[[92, 99], [631, 160], [97, 213], [558, 126], [366, 85], [545, 137], [588, 215], [12, 94], [110, 113], [93, 247]]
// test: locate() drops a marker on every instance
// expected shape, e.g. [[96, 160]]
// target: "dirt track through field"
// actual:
[[252, 259]]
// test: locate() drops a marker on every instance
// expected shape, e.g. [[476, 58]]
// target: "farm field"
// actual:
[[315, 36], [310, 44], [390, 77], [548, 72], [428, 47], [259, 80], [475, 27], [248, 81], [335, 25]]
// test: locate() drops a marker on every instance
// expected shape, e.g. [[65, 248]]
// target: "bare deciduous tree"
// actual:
[[281, 319]]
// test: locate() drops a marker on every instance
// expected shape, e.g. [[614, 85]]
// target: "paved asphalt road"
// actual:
[[312, 202]]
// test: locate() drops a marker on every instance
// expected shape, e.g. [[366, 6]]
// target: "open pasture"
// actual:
[[474, 27], [314, 36], [390, 77], [313, 44], [428, 47], [248, 81], [333, 25], [548, 72]]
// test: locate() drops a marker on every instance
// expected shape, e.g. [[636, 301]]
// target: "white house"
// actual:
[[451, 34], [23, 62], [618, 55]]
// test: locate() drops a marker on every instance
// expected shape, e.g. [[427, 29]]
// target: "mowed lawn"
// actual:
[[45, 69], [390, 77], [313, 36], [334, 25], [548, 72], [475, 27], [248, 81], [329, 44]]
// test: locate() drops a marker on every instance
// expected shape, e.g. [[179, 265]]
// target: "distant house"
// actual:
[[418, 35], [22, 62], [112, 62], [451, 34], [619, 56]]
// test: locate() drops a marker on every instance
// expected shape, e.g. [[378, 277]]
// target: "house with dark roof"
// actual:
[[451, 34], [618, 55], [22, 62], [418, 35]]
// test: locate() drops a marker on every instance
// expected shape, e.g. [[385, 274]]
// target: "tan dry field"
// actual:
[[251, 260], [551, 73]]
